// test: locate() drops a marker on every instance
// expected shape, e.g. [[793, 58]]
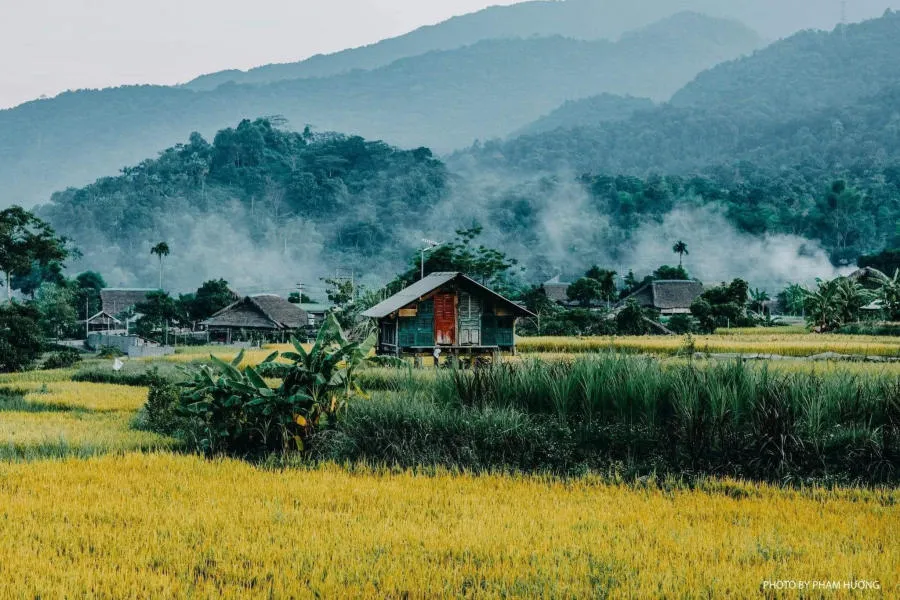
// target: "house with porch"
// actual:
[[265, 317], [447, 311]]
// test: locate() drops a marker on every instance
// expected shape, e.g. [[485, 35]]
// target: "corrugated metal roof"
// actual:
[[431, 282], [425, 286]]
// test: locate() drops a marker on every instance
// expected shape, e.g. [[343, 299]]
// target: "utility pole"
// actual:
[[87, 324], [300, 288]]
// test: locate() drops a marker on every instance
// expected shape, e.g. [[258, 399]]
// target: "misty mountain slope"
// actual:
[[258, 204], [732, 122], [265, 208], [587, 112], [443, 100], [577, 19], [809, 70], [684, 140]]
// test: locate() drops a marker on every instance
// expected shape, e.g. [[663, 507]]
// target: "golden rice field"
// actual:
[[92, 508], [58, 417], [162, 525], [784, 344]]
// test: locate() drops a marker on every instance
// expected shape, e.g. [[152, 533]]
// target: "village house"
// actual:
[[557, 291], [115, 306], [668, 297], [257, 318], [449, 312]]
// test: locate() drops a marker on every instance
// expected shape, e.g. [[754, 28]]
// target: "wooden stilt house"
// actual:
[[449, 311]]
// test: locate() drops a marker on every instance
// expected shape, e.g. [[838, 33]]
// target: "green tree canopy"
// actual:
[[26, 241]]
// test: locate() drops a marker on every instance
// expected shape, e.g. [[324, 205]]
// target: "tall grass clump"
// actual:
[[731, 418]]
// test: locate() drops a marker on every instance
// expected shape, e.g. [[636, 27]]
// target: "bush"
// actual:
[[109, 352], [236, 412], [20, 341], [138, 374], [682, 324], [885, 329], [161, 410], [62, 359]]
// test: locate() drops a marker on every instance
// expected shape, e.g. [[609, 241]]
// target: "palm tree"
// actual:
[[889, 295], [758, 300], [681, 249], [161, 250]]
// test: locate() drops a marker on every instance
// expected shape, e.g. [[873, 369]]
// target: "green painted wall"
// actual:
[[418, 330]]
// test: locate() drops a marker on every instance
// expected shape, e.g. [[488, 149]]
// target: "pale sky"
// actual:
[[49, 46]]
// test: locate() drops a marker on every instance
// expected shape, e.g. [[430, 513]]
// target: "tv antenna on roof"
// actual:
[[431, 245]]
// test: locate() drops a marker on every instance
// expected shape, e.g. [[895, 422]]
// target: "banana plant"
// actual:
[[239, 413], [324, 375]]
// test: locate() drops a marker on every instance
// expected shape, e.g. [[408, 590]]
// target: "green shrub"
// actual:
[[62, 359]]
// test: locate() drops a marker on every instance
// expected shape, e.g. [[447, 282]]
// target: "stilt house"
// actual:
[[449, 311]]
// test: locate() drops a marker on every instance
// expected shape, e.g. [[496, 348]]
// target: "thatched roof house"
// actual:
[[668, 297], [115, 301], [265, 315], [556, 290]]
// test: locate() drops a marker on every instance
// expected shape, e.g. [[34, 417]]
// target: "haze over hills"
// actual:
[[444, 100], [773, 198], [807, 83], [588, 111], [576, 19]]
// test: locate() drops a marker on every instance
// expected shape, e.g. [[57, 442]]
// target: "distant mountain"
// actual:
[[810, 70], [576, 19], [826, 99], [588, 112], [444, 100]]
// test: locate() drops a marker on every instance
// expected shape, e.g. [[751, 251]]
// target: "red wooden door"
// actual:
[[445, 319]]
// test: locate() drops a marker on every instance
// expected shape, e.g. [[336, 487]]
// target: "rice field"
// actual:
[[162, 525], [58, 418], [91, 507], [742, 342]]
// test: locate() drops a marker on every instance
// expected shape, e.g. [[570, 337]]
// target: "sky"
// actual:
[[50, 46]]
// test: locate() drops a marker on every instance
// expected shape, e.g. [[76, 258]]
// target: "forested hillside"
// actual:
[[576, 19], [256, 204], [444, 100], [810, 70], [260, 204], [589, 111]]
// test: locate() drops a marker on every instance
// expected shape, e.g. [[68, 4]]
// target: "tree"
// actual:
[[835, 303], [889, 296], [55, 303], [758, 299], [161, 250], [631, 320], [26, 241], [681, 249], [210, 298], [722, 306], [667, 273], [157, 312], [87, 288], [299, 298], [20, 340], [487, 265], [607, 280], [791, 299], [585, 291], [39, 274]]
